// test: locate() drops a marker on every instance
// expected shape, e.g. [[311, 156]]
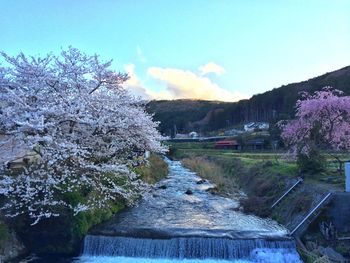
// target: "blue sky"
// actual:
[[222, 49]]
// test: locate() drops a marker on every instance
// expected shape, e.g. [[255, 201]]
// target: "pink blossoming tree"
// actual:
[[85, 129], [322, 122]]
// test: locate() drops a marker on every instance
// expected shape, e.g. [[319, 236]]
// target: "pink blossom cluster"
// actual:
[[322, 120]]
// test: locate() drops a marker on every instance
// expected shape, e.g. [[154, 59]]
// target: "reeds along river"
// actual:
[[183, 222]]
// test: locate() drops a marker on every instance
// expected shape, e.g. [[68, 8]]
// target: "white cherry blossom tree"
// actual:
[[86, 130]]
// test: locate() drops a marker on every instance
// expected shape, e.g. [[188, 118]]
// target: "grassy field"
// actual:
[[331, 176]]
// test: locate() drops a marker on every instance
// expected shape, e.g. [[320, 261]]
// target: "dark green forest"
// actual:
[[205, 116]]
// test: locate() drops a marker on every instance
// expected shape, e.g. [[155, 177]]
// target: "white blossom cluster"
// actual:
[[88, 131]]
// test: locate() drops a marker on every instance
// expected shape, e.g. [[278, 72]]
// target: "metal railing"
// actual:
[[311, 213], [286, 193]]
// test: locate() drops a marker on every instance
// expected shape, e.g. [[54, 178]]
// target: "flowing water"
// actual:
[[183, 222]]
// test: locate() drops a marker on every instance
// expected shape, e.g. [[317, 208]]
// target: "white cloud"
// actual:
[[211, 67], [133, 84], [178, 84], [140, 54], [184, 84]]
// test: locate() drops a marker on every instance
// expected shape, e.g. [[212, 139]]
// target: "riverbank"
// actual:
[[63, 235], [264, 177]]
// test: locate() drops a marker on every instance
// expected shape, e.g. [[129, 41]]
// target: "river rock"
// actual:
[[189, 192], [213, 189], [201, 181], [237, 208], [331, 254], [162, 187]]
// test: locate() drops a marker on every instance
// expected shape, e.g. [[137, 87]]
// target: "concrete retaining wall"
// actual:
[[340, 211]]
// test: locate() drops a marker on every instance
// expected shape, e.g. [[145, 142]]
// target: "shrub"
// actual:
[[311, 164]]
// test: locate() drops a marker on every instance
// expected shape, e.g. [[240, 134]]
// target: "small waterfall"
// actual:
[[257, 250]]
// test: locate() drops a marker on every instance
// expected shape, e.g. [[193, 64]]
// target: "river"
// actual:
[[182, 221]]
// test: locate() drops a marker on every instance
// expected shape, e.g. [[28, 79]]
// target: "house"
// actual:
[[253, 126], [228, 144], [256, 144], [15, 154]]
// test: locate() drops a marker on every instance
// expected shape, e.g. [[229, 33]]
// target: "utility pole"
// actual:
[[347, 177], [175, 130]]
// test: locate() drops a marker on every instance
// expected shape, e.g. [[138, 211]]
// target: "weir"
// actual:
[[167, 233], [189, 248]]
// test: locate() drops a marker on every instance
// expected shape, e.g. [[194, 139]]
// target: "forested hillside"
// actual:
[[202, 116]]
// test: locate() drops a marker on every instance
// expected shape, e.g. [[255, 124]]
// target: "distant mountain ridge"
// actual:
[[201, 116]]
